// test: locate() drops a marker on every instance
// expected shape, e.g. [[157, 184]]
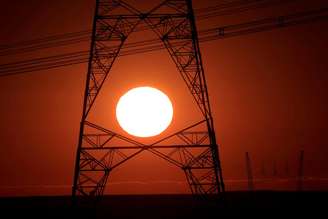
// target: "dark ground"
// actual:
[[263, 204]]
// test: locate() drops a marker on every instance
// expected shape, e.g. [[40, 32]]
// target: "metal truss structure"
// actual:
[[194, 149]]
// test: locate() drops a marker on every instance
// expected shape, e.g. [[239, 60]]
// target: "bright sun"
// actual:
[[144, 111]]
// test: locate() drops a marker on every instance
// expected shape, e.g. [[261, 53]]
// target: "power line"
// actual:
[[82, 36], [46, 39], [242, 6], [154, 44]]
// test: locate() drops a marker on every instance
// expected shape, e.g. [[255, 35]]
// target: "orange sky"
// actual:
[[268, 93]]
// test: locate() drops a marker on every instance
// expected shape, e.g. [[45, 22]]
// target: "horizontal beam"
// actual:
[[145, 147], [95, 170], [196, 168], [141, 16]]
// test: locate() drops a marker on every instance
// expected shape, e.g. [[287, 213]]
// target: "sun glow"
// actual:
[[144, 111]]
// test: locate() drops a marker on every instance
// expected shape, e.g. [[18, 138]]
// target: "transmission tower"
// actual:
[[301, 171], [194, 149], [249, 172]]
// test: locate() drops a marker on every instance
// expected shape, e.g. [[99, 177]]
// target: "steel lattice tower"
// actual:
[[195, 149]]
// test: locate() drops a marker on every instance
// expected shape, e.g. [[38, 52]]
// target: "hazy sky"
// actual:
[[268, 93]]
